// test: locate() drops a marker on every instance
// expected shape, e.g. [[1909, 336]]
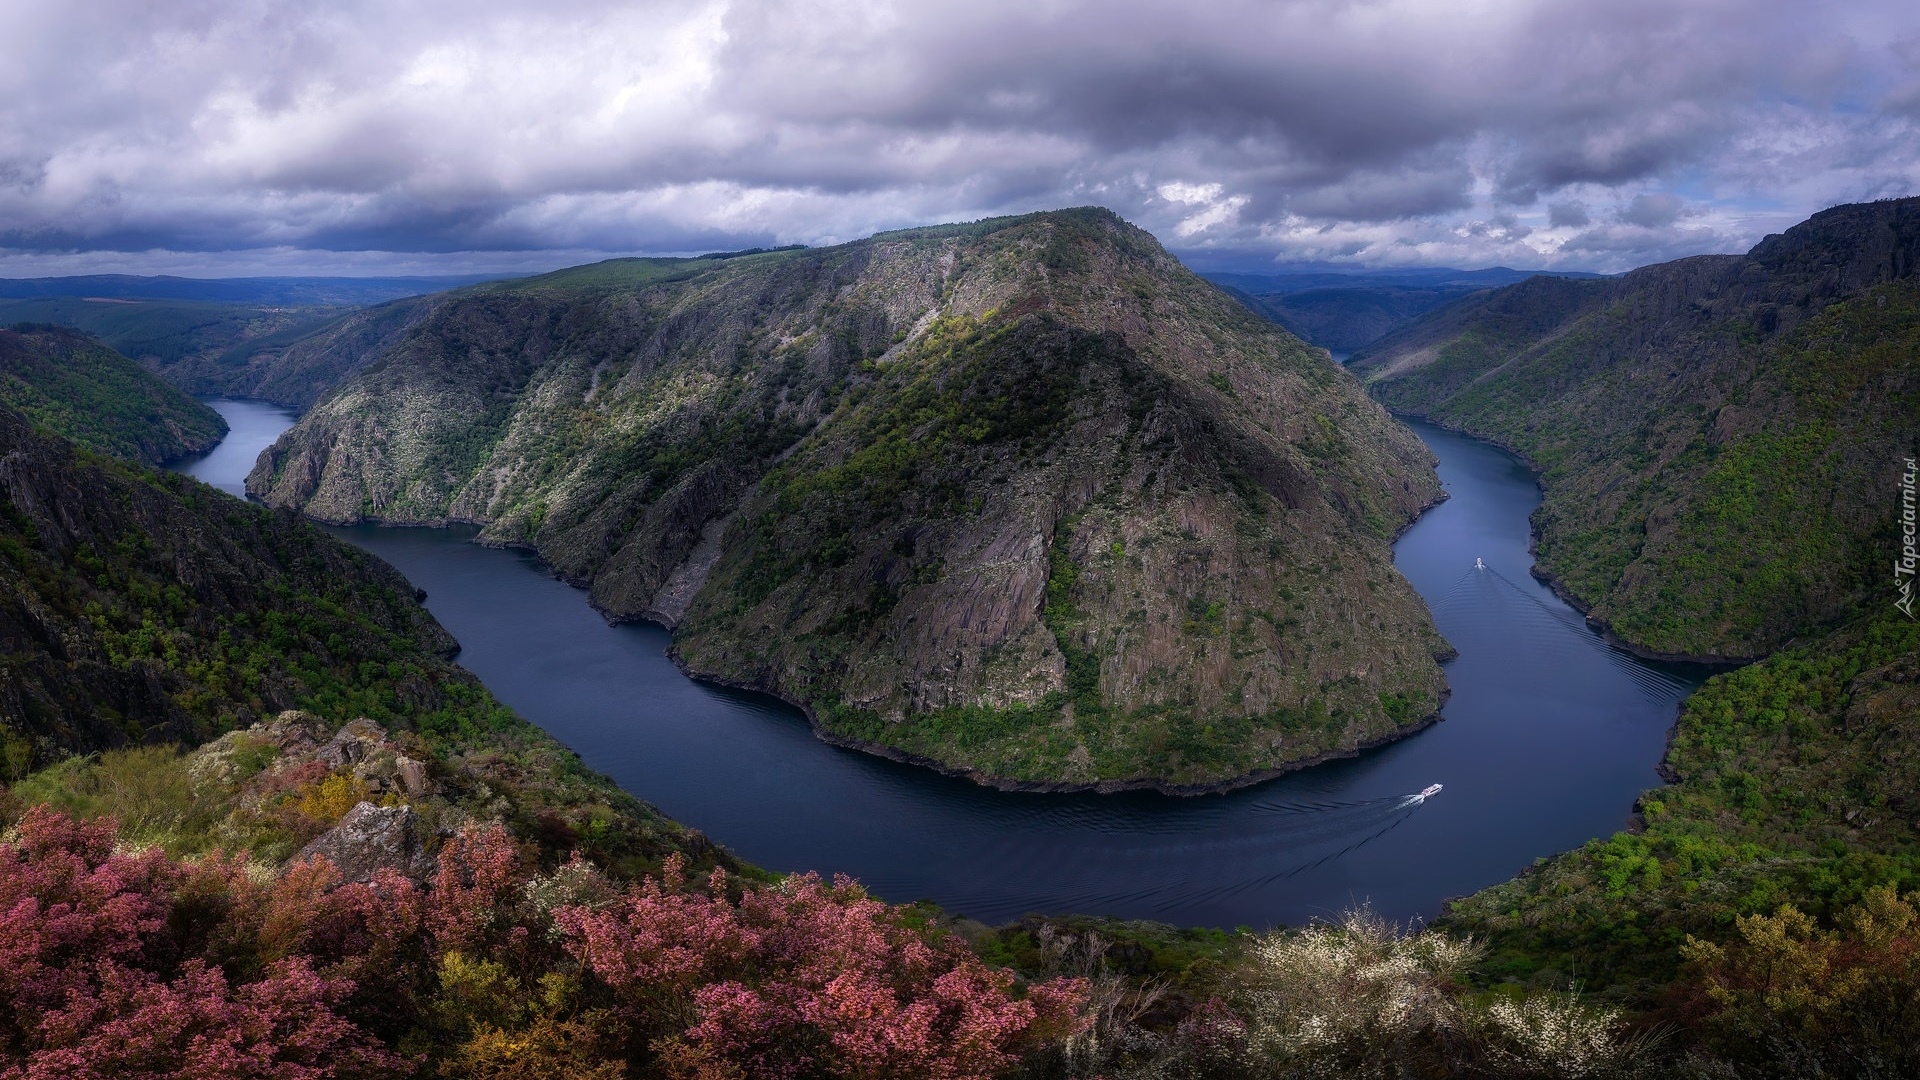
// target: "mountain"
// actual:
[[1022, 499], [140, 608], [296, 365], [284, 340], [1721, 442], [72, 385], [1717, 437], [1345, 312], [159, 334], [266, 291]]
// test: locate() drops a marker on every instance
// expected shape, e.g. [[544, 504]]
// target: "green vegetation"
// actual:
[[1719, 481], [841, 475], [621, 273], [161, 611], [1715, 482], [1796, 785], [73, 386], [165, 333]]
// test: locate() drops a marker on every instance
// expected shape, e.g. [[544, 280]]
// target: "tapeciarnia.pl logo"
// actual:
[[1903, 567]]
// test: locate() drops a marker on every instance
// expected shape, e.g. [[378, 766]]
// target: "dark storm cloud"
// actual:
[[1568, 214], [1652, 211], [1238, 131]]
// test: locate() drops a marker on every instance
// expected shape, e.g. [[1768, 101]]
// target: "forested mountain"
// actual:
[[74, 386], [1721, 441], [144, 608], [1717, 436], [1024, 498]]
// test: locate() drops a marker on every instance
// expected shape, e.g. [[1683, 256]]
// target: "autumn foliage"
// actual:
[[126, 964]]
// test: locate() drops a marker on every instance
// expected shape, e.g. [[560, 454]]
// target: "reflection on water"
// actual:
[[1549, 737]]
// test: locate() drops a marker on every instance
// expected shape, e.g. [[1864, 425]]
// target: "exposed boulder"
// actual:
[[373, 838], [353, 743]]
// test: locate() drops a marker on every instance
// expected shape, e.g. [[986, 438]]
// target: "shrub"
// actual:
[[806, 978]]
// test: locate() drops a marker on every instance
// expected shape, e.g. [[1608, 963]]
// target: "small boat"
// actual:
[[1479, 564], [1430, 791]]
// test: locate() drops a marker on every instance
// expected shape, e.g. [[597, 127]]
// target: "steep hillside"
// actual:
[[287, 355], [284, 340], [158, 334], [1795, 781], [296, 365], [1717, 436], [1024, 499], [70, 384], [139, 607]]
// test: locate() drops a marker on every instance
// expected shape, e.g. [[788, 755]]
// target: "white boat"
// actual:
[[1430, 791], [1479, 564]]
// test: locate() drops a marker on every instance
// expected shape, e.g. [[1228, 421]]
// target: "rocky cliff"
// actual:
[[1720, 437], [1023, 499], [70, 384]]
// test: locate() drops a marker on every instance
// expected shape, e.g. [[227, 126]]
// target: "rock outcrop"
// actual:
[[374, 838]]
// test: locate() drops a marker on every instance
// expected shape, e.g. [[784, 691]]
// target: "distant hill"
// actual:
[[294, 291], [238, 337], [1718, 436], [1345, 312], [71, 385], [298, 364]]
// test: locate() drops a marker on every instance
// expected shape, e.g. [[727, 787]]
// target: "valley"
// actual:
[[1548, 738], [794, 507], [1022, 500]]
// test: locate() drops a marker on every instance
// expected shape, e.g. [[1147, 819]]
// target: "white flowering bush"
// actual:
[[1355, 998], [1365, 997], [1556, 1035]]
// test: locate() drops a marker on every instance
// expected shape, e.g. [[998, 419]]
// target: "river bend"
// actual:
[[1549, 737]]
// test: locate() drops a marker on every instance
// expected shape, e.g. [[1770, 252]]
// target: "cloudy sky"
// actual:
[[260, 136]]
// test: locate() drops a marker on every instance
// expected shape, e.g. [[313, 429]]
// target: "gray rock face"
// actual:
[[413, 776], [351, 744], [372, 838]]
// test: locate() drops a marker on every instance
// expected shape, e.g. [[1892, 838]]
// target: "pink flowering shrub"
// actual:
[[479, 870], [807, 979], [129, 1025], [135, 965], [92, 983]]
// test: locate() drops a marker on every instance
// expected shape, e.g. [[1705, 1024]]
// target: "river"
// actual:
[[1548, 739]]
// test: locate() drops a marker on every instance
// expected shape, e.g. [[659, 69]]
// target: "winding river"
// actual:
[[1548, 739]]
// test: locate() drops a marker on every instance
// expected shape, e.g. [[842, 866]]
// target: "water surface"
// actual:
[[251, 427], [1548, 739]]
